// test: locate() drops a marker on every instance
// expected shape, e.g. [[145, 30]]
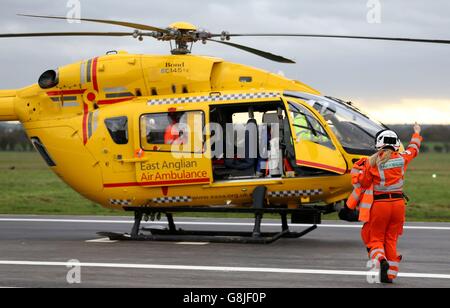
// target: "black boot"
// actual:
[[384, 268]]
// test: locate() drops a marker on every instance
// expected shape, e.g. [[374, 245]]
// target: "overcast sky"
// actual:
[[396, 82]]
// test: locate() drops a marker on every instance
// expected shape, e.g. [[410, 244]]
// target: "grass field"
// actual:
[[27, 186]]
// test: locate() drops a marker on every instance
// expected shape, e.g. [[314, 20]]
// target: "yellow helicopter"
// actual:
[[161, 134]]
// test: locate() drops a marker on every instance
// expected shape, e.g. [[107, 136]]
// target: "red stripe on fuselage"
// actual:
[[321, 166], [85, 114], [65, 92], [114, 101], [94, 74], [161, 183]]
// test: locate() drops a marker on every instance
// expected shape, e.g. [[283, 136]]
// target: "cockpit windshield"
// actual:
[[355, 131]]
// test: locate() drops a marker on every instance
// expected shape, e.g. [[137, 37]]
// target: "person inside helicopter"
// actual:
[[173, 134], [306, 126], [301, 127], [249, 142]]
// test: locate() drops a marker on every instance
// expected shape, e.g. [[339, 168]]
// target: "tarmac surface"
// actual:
[[36, 251]]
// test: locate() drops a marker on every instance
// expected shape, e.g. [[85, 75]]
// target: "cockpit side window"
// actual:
[[118, 129], [354, 130], [307, 127]]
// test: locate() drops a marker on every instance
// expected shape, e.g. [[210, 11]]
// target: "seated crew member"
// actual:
[[305, 130], [173, 133], [301, 127]]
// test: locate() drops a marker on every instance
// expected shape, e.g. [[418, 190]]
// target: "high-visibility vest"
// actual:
[[390, 174], [386, 178], [306, 133], [303, 133], [389, 177], [361, 198]]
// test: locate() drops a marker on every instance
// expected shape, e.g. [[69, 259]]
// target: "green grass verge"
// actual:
[[430, 196], [27, 186]]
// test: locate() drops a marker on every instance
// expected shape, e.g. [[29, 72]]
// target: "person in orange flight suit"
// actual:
[[173, 134], [384, 172]]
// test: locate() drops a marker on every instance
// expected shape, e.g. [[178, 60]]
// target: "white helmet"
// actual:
[[387, 138]]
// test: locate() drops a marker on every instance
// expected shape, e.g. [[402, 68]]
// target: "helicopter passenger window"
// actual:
[[161, 131], [307, 127], [118, 129]]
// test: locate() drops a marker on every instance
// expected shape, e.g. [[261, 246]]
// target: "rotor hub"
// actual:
[[183, 34], [181, 25]]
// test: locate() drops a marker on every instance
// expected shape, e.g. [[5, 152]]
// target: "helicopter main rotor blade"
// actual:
[[379, 38], [111, 22], [258, 52], [7, 35]]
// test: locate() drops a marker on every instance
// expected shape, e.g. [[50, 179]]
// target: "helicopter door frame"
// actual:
[[229, 174], [157, 165], [315, 144]]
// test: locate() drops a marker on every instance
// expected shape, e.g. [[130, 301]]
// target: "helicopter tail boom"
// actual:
[[7, 105]]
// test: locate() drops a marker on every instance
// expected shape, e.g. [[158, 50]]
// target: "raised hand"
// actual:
[[417, 128]]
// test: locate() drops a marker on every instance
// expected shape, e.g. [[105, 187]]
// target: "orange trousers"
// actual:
[[381, 233]]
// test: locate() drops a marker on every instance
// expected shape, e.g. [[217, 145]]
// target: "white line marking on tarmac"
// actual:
[[205, 223], [192, 243], [219, 269], [101, 240]]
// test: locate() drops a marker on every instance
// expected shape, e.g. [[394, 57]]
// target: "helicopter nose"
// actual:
[[7, 106]]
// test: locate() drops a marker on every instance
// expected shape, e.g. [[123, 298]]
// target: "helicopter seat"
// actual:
[[245, 166], [270, 119]]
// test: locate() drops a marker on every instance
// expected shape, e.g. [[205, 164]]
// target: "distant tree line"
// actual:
[[13, 138], [437, 137], [438, 148], [431, 133]]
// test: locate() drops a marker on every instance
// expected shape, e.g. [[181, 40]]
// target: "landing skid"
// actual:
[[211, 238], [171, 234], [256, 237]]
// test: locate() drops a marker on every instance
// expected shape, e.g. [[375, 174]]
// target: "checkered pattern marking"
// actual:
[[165, 200], [295, 193], [202, 99], [120, 202]]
